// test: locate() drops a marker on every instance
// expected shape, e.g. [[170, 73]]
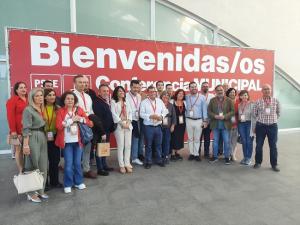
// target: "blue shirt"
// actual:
[[196, 103]]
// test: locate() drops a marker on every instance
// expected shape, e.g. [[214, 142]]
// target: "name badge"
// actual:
[[233, 119], [268, 110], [137, 114], [50, 136], [74, 129], [166, 121], [243, 118], [220, 113], [181, 119], [191, 113]]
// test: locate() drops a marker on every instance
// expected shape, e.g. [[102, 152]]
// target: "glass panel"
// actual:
[[221, 40], [121, 18], [3, 99], [173, 26], [36, 14], [289, 98]]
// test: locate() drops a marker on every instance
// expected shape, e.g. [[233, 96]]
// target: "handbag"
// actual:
[[13, 140], [86, 133], [29, 181], [103, 149]]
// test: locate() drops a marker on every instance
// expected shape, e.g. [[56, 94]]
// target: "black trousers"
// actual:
[[206, 136], [54, 158]]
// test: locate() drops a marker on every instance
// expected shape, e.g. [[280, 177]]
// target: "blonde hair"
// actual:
[[31, 95]]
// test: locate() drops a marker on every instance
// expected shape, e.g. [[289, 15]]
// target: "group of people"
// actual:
[[149, 127]]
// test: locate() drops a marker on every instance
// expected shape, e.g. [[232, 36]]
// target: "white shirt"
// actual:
[[84, 102], [116, 109], [134, 102], [149, 107], [69, 137]]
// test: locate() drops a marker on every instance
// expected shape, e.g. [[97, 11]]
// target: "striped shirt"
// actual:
[[267, 110]]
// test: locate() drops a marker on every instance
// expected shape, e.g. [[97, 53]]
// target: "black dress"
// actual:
[[177, 137]]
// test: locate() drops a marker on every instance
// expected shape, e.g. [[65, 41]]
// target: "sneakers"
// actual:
[[80, 186], [137, 161], [213, 160], [34, 198], [67, 190], [227, 161], [247, 162], [191, 157], [256, 166]]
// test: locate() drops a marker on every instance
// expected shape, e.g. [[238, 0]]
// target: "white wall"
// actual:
[[269, 24]]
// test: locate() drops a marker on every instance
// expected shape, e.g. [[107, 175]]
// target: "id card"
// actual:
[[137, 114], [74, 129], [268, 110], [166, 121], [233, 119], [50, 136], [220, 113], [191, 113], [243, 118], [181, 119]]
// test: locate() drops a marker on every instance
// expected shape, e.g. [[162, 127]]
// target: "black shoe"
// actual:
[[109, 169], [179, 157], [103, 173], [147, 166], [227, 161], [166, 161], [47, 188], [173, 158], [59, 185], [256, 166], [206, 156], [191, 157], [161, 164], [198, 158], [141, 157], [275, 168]]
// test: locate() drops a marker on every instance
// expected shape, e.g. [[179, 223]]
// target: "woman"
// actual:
[[14, 110], [246, 125], [168, 125], [68, 138], [35, 142], [122, 116], [233, 134], [177, 137], [53, 150]]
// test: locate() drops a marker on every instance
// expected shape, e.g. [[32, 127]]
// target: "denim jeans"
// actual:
[[247, 141], [271, 131], [224, 133], [153, 135], [166, 141], [72, 171]]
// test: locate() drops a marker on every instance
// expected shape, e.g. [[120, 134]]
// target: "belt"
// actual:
[[153, 125], [38, 129], [194, 118]]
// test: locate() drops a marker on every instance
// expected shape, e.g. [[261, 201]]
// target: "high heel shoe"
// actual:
[[34, 198], [128, 169], [122, 170]]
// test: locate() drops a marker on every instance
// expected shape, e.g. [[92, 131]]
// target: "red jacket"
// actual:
[[14, 108], [60, 117]]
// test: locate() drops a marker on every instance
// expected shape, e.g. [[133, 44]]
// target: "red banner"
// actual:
[[38, 55]]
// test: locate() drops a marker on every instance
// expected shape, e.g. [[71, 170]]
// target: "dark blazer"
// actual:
[[228, 112], [102, 110], [98, 129]]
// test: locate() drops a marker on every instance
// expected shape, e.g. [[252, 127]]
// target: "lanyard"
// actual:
[[83, 98], [49, 121], [136, 103], [71, 115], [192, 105], [267, 101], [123, 110], [153, 107]]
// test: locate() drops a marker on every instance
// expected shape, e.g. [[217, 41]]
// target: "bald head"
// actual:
[[266, 90]]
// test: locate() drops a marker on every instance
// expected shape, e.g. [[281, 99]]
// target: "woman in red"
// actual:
[[14, 108]]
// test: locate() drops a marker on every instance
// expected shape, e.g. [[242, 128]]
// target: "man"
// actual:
[[267, 112], [87, 88], [133, 100], [101, 109], [48, 84], [153, 110], [159, 88], [85, 102], [169, 89], [220, 111], [196, 117], [206, 131]]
